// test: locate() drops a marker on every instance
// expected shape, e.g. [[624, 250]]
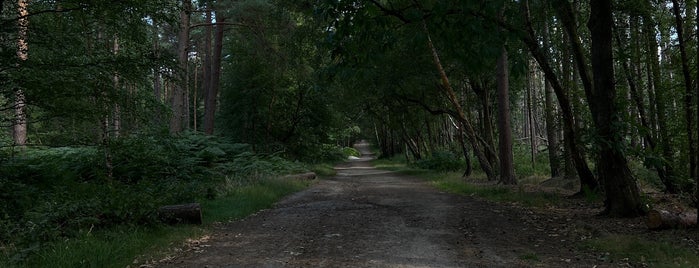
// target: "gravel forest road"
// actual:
[[364, 217]]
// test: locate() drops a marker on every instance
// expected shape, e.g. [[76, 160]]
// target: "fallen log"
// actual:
[[181, 214], [303, 176], [663, 219]]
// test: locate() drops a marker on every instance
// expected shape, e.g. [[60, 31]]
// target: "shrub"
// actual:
[[58, 193], [349, 151], [443, 161]]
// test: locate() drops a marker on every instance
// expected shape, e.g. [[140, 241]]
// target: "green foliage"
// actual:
[[323, 169], [453, 182], [325, 153], [118, 247], [58, 193], [442, 161], [496, 193], [248, 199], [349, 151], [530, 257], [615, 248], [523, 162]]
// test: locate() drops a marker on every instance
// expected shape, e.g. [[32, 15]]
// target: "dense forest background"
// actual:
[[127, 98]]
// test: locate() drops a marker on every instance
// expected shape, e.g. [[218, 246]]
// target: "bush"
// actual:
[[349, 151], [58, 193], [443, 161]]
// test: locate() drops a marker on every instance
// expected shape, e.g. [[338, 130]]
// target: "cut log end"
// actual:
[[663, 219], [181, 214]]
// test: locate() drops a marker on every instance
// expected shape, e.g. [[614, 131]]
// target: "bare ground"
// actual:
[[365, 217]]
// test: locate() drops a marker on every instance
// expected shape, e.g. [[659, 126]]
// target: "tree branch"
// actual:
[[62, 10], [219, 23]]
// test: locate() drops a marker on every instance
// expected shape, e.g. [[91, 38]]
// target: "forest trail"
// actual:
[[364, 217]]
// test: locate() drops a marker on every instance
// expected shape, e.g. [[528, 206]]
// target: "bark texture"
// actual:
[[507, 171], [179, 91], [212, 93], [622, 195], [19, 126]]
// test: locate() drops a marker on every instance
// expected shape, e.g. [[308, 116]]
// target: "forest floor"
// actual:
[[365, 217]]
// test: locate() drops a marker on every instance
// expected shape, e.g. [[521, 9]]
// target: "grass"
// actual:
[[619, 248], [612, 248], [126, 245], [495, 193], [114, 248], [323, 169], [530, 257], [453, 183], [249, 199]]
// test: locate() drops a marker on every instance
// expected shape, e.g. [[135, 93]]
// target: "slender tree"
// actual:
[[19, 128], [549, 114], [178, 94], [587, 179], [689, 92], [696, 178], [468, 127], [507, 171], [212, 95]]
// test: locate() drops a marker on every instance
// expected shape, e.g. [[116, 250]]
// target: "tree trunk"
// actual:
[[212, 94], [587, 179], [116, 113], [659, 166], [479, 88], [531, 77], [659, 96], [468, 127], [567, 71], [696, 178], [206, 73], [179, 88], [622, 196], [19, 126], [507, 171], [464, 148], [688, 99]]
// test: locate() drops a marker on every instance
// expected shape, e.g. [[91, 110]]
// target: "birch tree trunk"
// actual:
[[19, 126], [116, 113]]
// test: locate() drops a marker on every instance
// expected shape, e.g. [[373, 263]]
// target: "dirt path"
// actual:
[[365, 217]]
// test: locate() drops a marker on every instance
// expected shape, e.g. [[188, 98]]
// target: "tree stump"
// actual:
[[303, 176], [181, 214], [663, 219]]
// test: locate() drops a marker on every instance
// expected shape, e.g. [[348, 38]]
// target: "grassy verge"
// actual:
[[122, 246], [628, 248], [323, 169], [618, 249], [453, 183]]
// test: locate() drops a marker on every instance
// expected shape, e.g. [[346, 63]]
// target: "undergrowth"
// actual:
[[55, 199], [641, 251], [453, 182]]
